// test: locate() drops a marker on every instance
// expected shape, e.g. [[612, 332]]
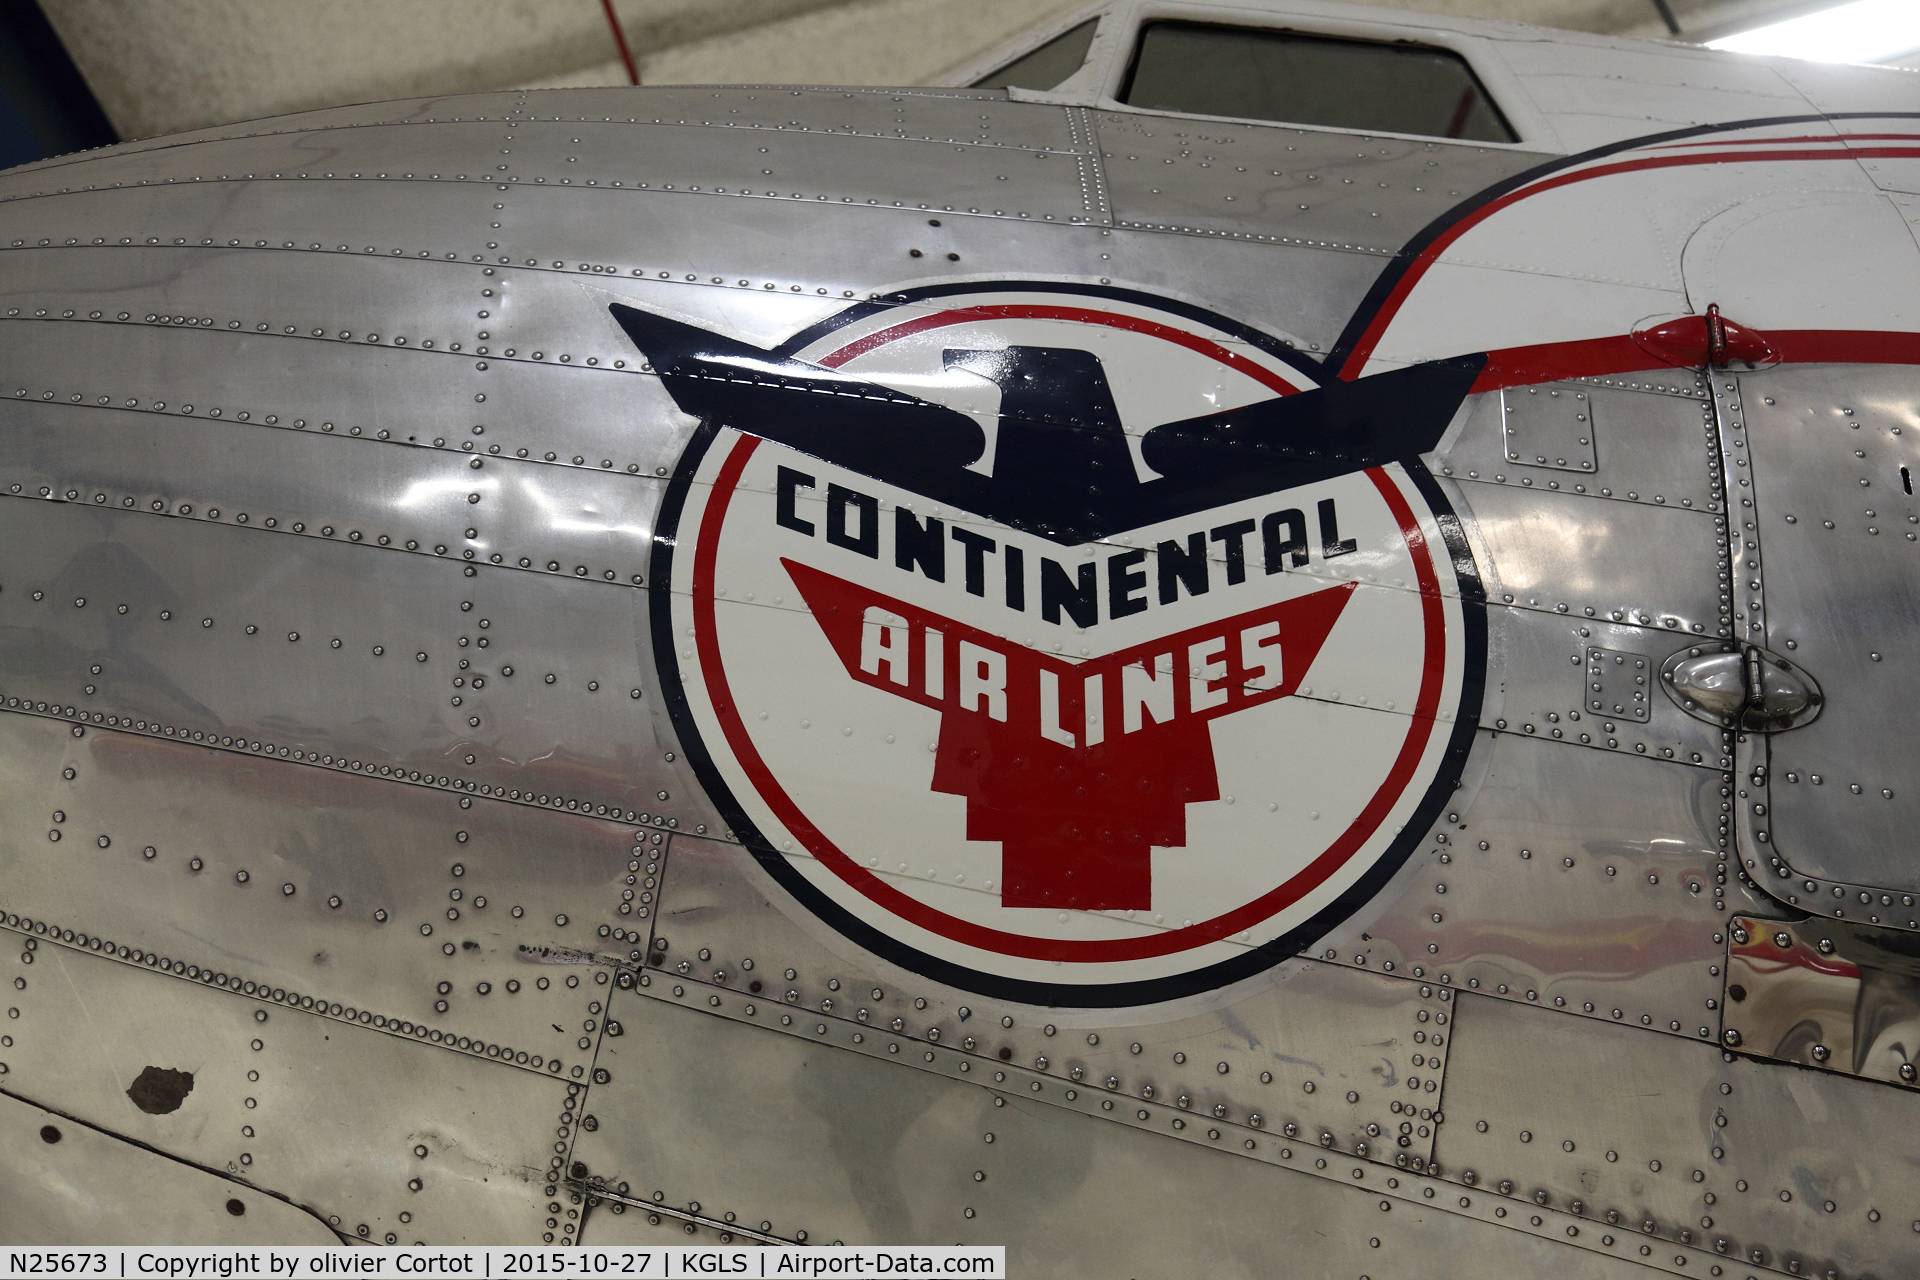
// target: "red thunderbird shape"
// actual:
[[1078, 769]]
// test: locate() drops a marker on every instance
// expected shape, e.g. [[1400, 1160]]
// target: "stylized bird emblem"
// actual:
[[1061, 466]]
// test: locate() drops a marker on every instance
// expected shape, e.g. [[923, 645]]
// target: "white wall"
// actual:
[[159, 66]]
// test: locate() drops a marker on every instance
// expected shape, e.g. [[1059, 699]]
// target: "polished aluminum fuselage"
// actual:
[[340, 770]]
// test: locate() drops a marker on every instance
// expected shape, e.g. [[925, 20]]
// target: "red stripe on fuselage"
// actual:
[[1841, 139], [1377, 327], [1597, 357]]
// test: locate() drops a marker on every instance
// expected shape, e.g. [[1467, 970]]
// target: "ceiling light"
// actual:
[[1864, 31]]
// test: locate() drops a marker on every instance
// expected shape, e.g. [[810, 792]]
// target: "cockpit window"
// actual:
[[1207, 69], [1046, 66]]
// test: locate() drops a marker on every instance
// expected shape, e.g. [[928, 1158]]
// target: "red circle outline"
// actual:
[[1078, 315], [981, 937]]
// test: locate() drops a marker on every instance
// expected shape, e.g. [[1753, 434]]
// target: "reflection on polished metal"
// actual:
[[1844, 997], [892, 665], [913, 1154], [1544, 889], [1375, 1063], [1741, 686], [1710, 681], [1726, 1154]]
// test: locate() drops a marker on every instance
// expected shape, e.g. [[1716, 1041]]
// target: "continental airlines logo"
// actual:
[[1068, 646]]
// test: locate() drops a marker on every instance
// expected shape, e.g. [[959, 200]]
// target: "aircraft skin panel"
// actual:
[[1742, 255], [1852, 88], [285, 379], [394, 637], [1554, 674], [1587, 110], [903, 1154], [339, 1119], [1833, 453], [427, 893], [542, 227], [72, 1183], [1775, 1173], [1214, 654], [1288, 186], [1323, 1028], [1574, 549], [1571, 904], [1651, 437], [555, 512]]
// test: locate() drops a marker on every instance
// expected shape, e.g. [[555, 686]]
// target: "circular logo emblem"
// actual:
[[1063, 645]]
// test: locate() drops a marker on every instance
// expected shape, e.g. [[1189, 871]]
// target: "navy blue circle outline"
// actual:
[[1063, 995]]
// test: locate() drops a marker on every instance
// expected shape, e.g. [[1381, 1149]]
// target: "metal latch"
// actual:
[[1741, 686], [1705, 341]]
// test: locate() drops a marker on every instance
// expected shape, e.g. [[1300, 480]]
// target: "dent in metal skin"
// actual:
[[87, 1187]]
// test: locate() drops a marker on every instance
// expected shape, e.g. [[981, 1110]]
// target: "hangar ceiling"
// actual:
[[160, 68]]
